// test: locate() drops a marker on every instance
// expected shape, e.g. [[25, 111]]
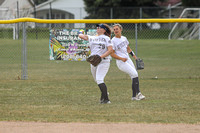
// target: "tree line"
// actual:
[[123, 8], [128, 3]]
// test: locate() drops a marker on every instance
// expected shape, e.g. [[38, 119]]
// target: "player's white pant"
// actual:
[[127, 67], [99, 72]]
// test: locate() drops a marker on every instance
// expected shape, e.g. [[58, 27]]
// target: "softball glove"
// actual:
[[139, 64], [94, 60]]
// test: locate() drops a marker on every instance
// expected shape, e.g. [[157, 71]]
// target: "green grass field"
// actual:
[[64, 91]]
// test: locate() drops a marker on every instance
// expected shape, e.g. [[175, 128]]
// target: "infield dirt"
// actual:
[[38, 127]]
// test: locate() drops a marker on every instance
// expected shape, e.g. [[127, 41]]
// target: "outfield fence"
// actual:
[[24, 45]]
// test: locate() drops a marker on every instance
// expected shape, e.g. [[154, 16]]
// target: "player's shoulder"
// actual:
[[106, 37], [123, 37], [114, 38]]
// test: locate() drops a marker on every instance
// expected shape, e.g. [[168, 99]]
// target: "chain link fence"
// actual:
[[30, 58], [37, 62]]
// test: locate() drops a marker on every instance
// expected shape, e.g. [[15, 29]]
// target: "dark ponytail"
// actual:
[[108, 31]]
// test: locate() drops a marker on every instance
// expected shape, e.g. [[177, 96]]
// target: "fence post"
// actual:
[[24, 56], [35, 15], [136, 39], [170, 15], [111, 13], [50, 15], [140, 18], [17, 31], [199, 25]]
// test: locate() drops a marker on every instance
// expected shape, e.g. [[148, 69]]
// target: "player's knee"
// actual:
[[135, 75], [100, 81]]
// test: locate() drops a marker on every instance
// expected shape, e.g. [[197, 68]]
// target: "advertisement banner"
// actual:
[[64, 44]]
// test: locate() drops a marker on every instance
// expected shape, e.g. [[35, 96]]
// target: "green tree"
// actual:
[[191, 3], [122, 8], [37, 2], [120, 3]]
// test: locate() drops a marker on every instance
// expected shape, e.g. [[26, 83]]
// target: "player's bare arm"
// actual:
[[129, 50], [118, 57], [84, 37], [108, 52]]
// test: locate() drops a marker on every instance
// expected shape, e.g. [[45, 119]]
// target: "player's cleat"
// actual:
[[102, 99], [135, 99], [140, 96], [105, 102]]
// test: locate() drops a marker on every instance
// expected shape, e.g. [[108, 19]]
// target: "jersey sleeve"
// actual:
[[127, 42], [113, 42], [109, 42]]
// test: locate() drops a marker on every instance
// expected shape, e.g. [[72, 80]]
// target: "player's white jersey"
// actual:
[[120, 46], [99, 44]]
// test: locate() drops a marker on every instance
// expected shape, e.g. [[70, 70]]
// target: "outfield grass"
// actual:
[[62, 91]]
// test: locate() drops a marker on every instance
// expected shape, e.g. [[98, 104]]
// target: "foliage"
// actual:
[[101, 8], [191, 3], [37, 2], [119, 3]]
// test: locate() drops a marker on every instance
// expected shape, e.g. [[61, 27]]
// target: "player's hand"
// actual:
[[124, 59], [135, 57]]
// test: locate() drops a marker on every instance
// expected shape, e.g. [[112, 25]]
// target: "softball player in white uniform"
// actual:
[[100, 45], [123, 61]]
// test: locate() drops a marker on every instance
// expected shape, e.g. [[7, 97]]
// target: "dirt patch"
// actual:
[[38, 127]]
